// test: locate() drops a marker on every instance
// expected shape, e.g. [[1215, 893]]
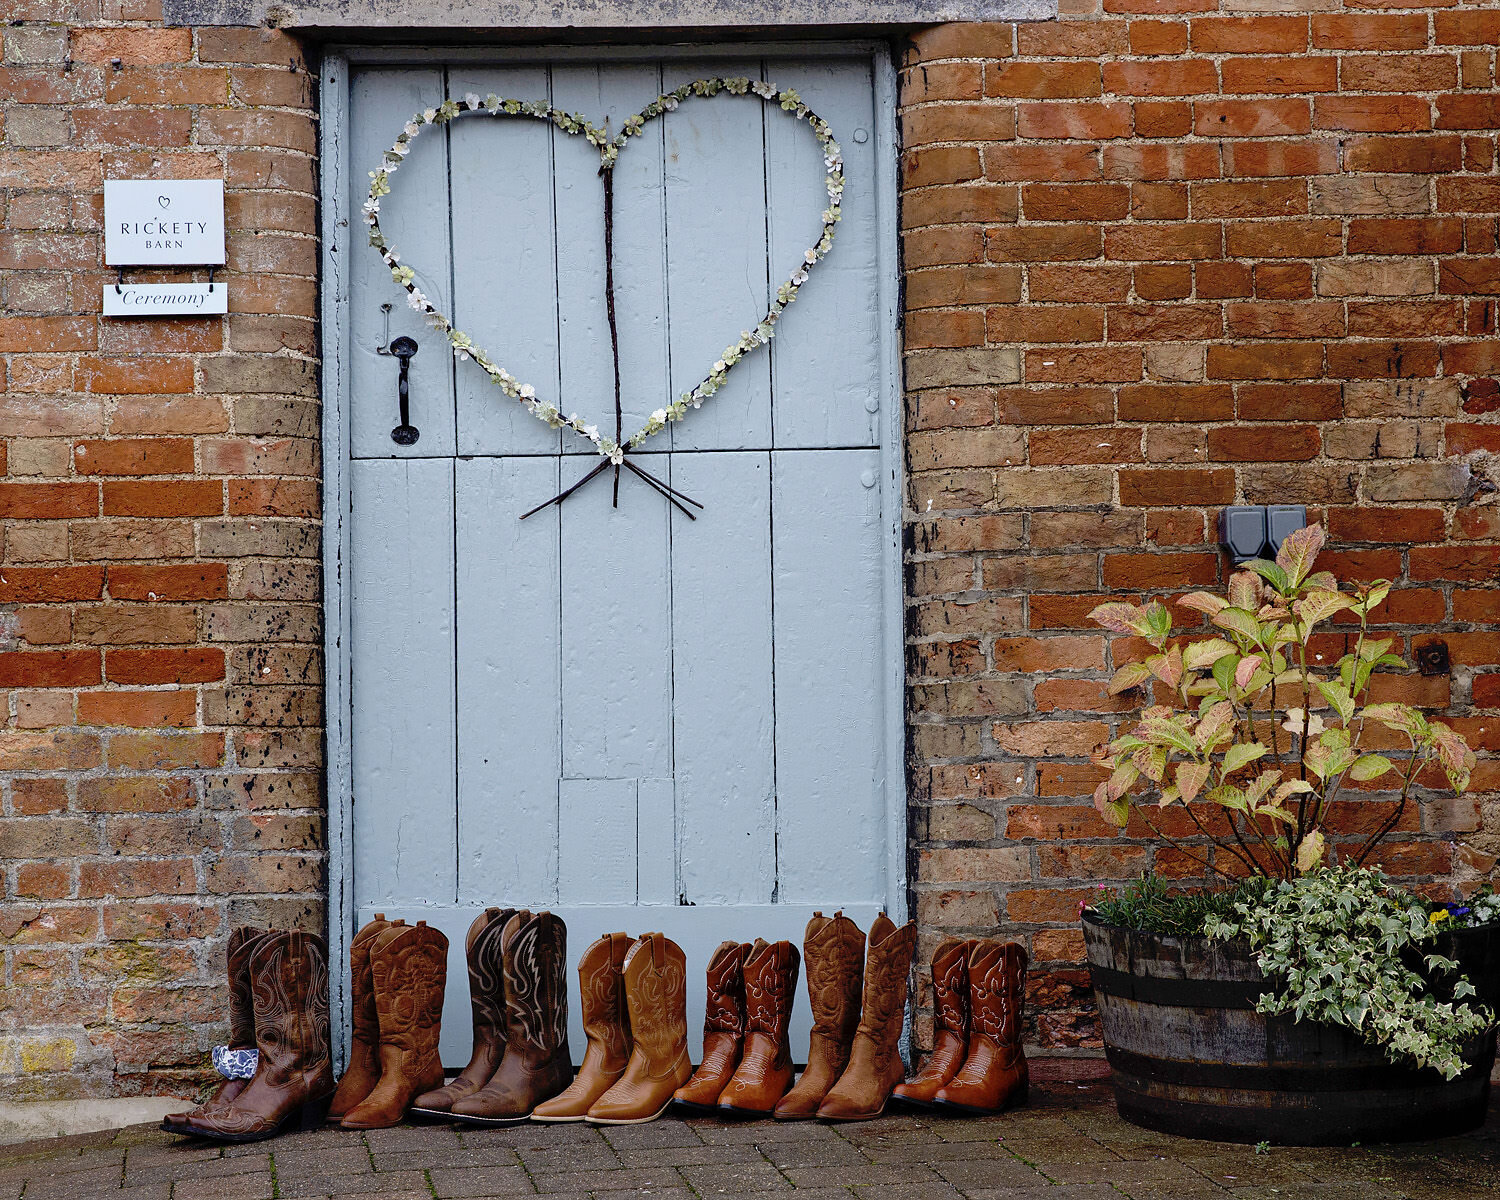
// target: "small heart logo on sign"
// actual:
[[613, 450], [164, 201]]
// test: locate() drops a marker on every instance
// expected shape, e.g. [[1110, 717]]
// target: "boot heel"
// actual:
[[313, 1114]]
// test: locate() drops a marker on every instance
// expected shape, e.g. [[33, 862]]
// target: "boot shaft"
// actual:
[[834, 952], [950, 986], [997, 990], [601, 987], [724, 1011], [409, 964], [535, 948], [486, 966], [289, 985], [241, 1000], [887, 967], [770, 990], [655, 973]]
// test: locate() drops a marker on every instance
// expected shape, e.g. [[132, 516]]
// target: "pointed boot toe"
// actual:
[[765, 1072], [994, 1075], [606, 1024], [655, 972], [723, 1030], [950, 1003]]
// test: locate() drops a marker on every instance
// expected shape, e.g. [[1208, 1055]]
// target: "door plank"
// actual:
[[716, 256], [722, 675], [401, 630], [823, 375], [612, 93], [830, 778], [616, 632], [596, 861], [414, 217], [656, 842], [509, 685], [504, 267]]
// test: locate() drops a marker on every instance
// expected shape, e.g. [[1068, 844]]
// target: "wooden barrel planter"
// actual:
[[1191, 1056]]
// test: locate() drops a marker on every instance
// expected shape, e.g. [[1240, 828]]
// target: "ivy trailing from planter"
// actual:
[[1338, 943]]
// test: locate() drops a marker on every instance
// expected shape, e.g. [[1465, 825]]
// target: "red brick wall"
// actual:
[[1162, 258], [160, 582]]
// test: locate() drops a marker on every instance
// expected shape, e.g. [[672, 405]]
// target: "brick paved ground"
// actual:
[[1068, 1145]]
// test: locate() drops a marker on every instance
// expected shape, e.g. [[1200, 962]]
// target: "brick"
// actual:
[[928, 166], [139, 709], [1176, 486], [1288, 443], [1072, 446], [1069, 365], [1269, 198], [174, 498], [1033, 243], [164, 666], [1165, 322], [1186, 240], [1248, 35], [1186, 77], [132, 46], [1372, 114], [1392, 277], [1075, 202], [1073, 39], [1273, 158], [1313, 319], [1157, 37], [1085, 122], [1398, 235], [1251, 118], [979, 202], [1419, 155], [1366, 31]]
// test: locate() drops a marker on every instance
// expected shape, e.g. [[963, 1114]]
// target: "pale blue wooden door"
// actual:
[[634, 719]]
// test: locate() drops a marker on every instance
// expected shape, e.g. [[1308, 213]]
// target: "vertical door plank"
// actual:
[[597, 858], [415, 217], [401, 628], [612, 93], [616, 631], [826, 524], [722, 694], [716, 255], [824, 374], [504, 267], [509, 688], [656, 842]]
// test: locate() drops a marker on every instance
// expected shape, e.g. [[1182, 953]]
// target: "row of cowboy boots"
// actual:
[[398, 972], [277, 1066], [858, 1004], [977, 1064]]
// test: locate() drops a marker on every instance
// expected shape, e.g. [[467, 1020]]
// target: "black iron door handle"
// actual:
[[405, 434]]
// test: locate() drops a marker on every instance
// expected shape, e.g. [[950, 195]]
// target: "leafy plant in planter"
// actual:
[[1250, 737], [1259, 745]]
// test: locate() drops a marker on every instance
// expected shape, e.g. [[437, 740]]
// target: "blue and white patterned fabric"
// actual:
[[235, 1064]]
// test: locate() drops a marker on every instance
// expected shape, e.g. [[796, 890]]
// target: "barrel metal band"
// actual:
[[1303, 1077], [1176, 993]]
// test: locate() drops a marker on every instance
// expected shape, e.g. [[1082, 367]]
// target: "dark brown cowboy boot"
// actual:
[[723, 1028], [833, 950], [487, 1002], [606, 1024], [362, 1071], [950, 1010], [294, 1077], [242, 941], [765, 1070], [410, 966], [536, 1064], [875, 1061], [656, 992], [994, 1075]]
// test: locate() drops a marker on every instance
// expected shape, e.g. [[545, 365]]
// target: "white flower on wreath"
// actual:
[[527, 392], [429, 115], [416, 299], [471, 99]]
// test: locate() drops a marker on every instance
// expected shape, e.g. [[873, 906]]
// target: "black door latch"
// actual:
[[405, 434]]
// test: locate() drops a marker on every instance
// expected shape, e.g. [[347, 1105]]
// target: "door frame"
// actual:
[[342, 233]]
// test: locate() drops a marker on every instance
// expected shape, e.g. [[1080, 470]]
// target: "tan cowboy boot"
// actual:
[[536, 1064], [410, 966], [875, 1061], [294, 1076], [833, 950], [606, 1024], [241, 1022], [487, 1003], [994, 1075], [950, 1005], [723, 1028], [765, 1072], [656, 993], [362, 1071]]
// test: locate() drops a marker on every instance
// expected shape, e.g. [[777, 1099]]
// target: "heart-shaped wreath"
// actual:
[[612, 449]]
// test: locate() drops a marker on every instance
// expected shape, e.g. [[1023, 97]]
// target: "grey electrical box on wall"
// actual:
[[1257, 530]]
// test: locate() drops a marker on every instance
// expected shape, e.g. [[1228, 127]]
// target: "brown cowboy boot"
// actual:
[[410, 966], [242, 941], [362, 1071], [656, 993], [487, 1003], [606, 1024], [875, 1061], [994, 1075], [834, 951], [765, 1072], [950, 1005], [294, 1076], [536, 1064], [723, 1027]]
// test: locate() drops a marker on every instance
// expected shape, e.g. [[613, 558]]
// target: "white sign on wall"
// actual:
[[163, 221], [165, 299]]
